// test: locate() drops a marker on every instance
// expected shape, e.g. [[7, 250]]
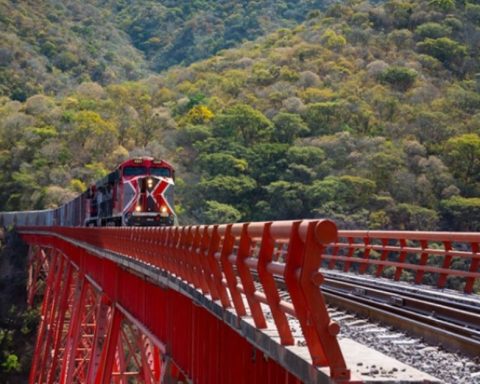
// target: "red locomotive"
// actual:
[[138, 192]]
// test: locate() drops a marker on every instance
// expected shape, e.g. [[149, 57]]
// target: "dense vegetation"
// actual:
[[17, 322], [193, 30], [367, 114], [50, 46]]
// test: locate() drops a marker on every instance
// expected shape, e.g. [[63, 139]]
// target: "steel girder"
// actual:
[[121, 269], [83, 337]]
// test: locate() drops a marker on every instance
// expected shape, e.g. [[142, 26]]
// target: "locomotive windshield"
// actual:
[[162, 172], [134, 171]]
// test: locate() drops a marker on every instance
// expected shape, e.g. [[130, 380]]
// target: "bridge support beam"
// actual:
[[87, 336]]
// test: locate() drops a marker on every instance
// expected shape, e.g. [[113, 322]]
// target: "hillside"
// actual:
[[52, 46], [367, 114]]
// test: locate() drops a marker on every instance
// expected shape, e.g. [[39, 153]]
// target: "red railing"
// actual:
[[226, 261], [442, 259]]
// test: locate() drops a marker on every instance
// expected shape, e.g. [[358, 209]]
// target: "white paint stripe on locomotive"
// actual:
[[135, 197], [152, 192], [169, 181], [166, 200]]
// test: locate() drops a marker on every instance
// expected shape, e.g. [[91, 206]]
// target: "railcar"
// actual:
[[139, 192]]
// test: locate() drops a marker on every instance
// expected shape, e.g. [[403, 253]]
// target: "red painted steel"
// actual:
[[38, 266], [219, 261], [82, 332], [428, 257], [103, 323]]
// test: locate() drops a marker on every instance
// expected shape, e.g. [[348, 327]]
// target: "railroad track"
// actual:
[[449, 321], [453, 324]]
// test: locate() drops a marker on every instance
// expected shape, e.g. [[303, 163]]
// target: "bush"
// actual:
[[332, 40], [444, 49], [11, 363], [432, 31], [399, 78]]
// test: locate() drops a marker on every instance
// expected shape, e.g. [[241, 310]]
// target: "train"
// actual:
[[139, 192]]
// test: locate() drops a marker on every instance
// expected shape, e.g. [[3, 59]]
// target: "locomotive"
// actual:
[[139, 192]]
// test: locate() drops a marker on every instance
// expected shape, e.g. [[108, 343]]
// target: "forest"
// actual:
[[365, 113], [50, 46]]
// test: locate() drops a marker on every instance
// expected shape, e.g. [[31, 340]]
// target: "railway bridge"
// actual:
[[231, 303]]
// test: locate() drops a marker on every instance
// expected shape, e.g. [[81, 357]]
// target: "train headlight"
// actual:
[[138, 208], [163, 211], [149, 183]]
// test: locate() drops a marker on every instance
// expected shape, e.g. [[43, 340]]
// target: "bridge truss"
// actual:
[[186, 304]]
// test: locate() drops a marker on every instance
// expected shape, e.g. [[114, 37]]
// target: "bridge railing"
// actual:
[[265, 271], [442, 259]]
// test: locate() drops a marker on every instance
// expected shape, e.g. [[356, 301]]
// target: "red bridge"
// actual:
[[236, 303]]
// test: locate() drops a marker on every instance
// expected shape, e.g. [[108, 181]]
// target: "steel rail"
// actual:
[[454, 327], [450, 306]]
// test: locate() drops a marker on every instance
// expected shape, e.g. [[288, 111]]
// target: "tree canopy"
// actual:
[[366, 113]]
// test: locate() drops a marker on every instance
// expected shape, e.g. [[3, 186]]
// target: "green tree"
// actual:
[[462, 155], [189, 134], [137, 109], [288, 126], [383, 164], [326, 117], [306, 163], [323, 191], [333, 40], [432, 30], [413, 217], [228, 189], [472, 11], [11, 363], [443, 5], [221, 164], [66, 61], [446, 50], [93, 137], [461, 214], [355, 191], [399, 78], [214, 212], [349, 193], [285, 201], [243, 122], [267, 162]]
